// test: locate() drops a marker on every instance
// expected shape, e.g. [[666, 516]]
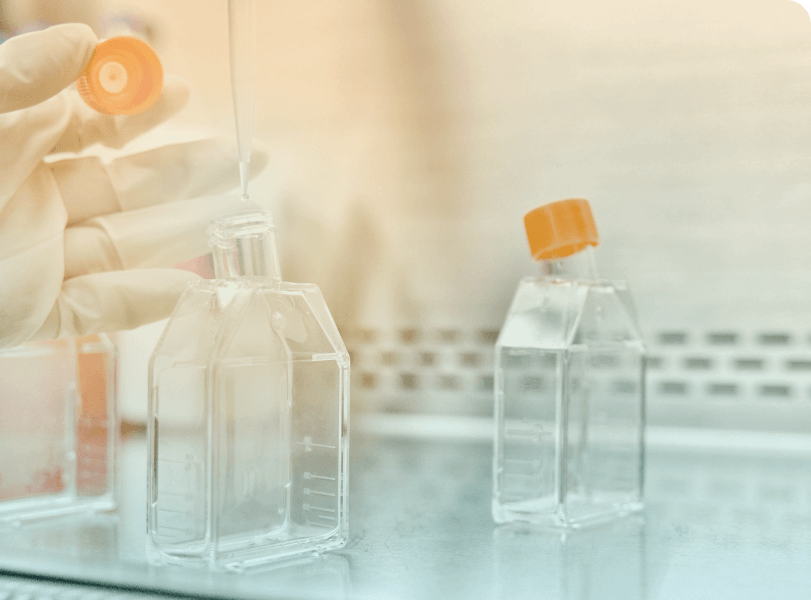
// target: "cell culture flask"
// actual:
[[248, 414], [569, 385], [58, 428]]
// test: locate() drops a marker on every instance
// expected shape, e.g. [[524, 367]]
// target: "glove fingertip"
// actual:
[[71, 46], [118, 300], [80, 37], [42, 63]]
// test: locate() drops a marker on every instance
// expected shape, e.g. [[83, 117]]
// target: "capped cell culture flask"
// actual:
[[569, 385], [248, 414], [123, 77], [58, 428]]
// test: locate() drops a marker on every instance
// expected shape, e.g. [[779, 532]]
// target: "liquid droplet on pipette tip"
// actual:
[[244, 197], [244, 176]]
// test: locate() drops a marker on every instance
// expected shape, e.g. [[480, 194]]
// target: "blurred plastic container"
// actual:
[[248, 414], [569, 385], [58, 428]]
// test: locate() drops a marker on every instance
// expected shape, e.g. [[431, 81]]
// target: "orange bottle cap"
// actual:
[[560, 229], [124, 77]]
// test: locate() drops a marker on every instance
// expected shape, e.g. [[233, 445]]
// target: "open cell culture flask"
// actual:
[[248, 414]]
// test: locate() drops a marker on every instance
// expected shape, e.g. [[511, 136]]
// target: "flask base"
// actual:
[[243, 553], [560, 517]]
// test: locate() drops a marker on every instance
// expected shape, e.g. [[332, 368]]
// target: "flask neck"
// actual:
[[244, 246], [579, 265]]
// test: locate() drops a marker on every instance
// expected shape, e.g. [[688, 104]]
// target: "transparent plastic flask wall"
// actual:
[[569, 385], [248, 414], [58, 428]]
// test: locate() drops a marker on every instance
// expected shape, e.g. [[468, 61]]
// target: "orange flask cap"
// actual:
[[560, 229], [124, 77]]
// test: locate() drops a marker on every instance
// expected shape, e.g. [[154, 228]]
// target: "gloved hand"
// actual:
[[77, 235]]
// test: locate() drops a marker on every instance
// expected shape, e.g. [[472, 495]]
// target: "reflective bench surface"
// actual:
[[718, 523]]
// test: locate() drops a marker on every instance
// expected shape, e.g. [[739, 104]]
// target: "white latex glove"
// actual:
[[76, 235]]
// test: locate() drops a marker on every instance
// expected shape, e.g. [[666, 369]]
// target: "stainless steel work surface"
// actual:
[[719, 524]]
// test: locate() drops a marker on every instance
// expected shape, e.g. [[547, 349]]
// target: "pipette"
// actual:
[[242, 36]]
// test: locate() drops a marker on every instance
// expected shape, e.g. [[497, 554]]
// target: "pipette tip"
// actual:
[[244, 175]]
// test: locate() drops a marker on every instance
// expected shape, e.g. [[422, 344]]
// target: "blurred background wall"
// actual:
[[408, 138]]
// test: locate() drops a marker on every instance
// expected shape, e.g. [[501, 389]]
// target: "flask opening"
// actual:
[[244, 245]]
